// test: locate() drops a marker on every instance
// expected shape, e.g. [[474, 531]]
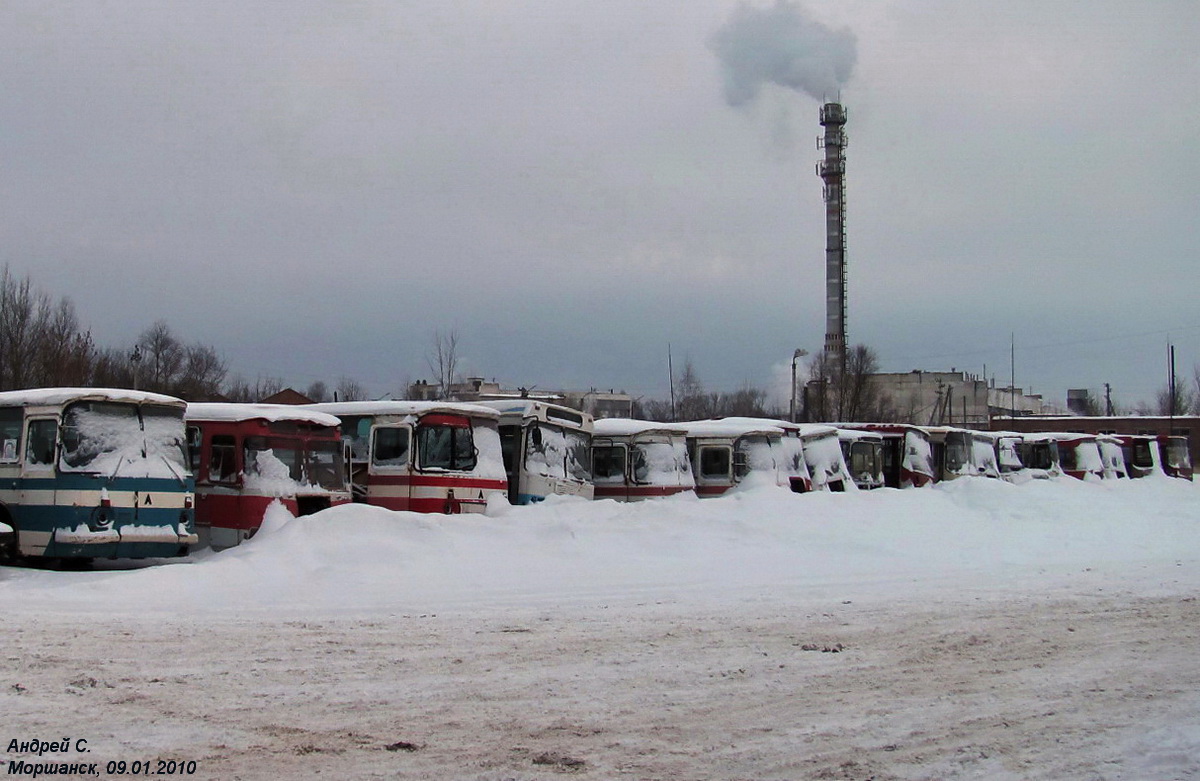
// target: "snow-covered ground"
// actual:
[[972, 630]]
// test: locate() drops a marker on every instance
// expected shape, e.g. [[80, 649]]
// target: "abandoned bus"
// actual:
[[1112, 457], [907, 455], [727, 452], [245, 456], [546, 449], [1039, 456], [790, 457], [1151, 454], [636, 459], [1176, 459], [961, 452], [1008, 458], [424, 456], [863, 452], [1078, 454], [823, 456], [88, 473]]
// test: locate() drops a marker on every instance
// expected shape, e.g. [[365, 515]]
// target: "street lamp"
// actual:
[[135, 358], [800, 353]]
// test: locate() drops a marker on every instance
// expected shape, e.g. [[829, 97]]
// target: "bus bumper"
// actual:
[[82, 535]]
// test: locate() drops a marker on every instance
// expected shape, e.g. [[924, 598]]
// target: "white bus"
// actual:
[[547, 449]]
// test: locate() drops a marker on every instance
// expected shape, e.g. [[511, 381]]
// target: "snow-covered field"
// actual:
[[972, 630]]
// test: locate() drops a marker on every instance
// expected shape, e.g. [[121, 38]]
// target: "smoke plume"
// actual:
[[781, 45]]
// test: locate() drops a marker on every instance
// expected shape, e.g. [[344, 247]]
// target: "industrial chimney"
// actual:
[[832, 171]]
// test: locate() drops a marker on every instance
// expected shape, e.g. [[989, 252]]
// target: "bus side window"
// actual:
[[222, 462], [390, 447], [41, 441], [10, 433], [193, 445]]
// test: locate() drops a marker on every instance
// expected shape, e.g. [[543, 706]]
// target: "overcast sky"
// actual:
[[315, 187]]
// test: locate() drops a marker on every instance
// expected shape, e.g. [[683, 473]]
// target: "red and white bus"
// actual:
[[423, 456], [1156, 454], [1078, 454], [793, 469], [637, 459], [730, 451], [245, 456], [907, 453]]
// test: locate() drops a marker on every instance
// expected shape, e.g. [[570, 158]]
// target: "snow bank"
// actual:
[[964, 539]]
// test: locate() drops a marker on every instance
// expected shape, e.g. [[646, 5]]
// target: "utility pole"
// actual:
[[1012, 375], [1171, 369], [671, 379], [1108, 400]]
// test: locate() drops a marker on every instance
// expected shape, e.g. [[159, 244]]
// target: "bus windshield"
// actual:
[[449, 447], [273, 464], [557, 452], [1176, 455], [104, 437], [864, 458], [661, 463], [752, 453], [958, 453]]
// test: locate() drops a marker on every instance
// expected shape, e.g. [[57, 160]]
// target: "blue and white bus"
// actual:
[[547, 449], [88, 473]]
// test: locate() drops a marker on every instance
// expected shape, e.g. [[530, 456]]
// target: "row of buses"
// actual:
[[103, 473]]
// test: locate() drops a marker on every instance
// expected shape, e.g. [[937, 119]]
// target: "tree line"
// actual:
[[44, 344]]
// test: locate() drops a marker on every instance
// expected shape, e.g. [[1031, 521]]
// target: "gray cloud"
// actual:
[[314, 192]]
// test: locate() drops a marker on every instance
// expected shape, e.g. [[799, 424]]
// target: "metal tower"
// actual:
[[832, 171]]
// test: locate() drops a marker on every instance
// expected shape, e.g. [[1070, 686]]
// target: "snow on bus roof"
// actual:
[[57, 396], [815, 429], [1056, 436], [726, 427], [627, 427], [529, 407], [389, 407], [859, 435], [232, 412]]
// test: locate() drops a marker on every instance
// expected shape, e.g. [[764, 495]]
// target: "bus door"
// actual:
[[36, 495], [892, 456], [609, 471], [512, 445], [388, 473], [713, 467]]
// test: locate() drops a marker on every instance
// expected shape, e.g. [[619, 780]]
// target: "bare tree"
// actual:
[[443, 360], [317, 391], [350, 390], [162, 358], [847, 392], [201, 376], [1185, 399], [24, 312], [746, 401], [691, 400], [239, 389], [65, 354], [112, 368]]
